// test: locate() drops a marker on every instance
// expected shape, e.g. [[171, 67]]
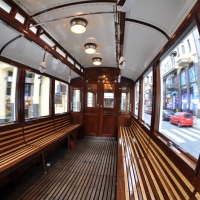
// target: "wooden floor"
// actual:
[[87, 172]]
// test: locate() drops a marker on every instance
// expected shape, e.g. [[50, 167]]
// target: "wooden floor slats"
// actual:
[[87, 172]]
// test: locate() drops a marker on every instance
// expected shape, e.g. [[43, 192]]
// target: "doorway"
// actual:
[[100, 109]]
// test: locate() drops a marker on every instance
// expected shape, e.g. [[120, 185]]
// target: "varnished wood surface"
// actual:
[[147, 171], [87, 172], [22, 143]]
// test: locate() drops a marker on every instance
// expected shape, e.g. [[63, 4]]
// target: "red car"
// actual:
[[148, 110], [182, 119]]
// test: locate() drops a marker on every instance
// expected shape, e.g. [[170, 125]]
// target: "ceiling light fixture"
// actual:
[[42, 66], [97, 61], [78, 25], [90, 48]]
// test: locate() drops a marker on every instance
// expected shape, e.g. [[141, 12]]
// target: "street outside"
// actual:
[[188, 138]]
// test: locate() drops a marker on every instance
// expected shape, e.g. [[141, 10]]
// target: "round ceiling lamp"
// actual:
[[97, 61], [78, 25], [90, 48]]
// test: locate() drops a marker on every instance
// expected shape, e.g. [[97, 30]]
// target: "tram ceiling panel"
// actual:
[[6, 34], [22, 51], [166, 15], [141, 45], [100, 28]]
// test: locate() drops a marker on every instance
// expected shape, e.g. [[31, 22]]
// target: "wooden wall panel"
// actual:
[[108, 128], [77, 118], [124, 120], [90, 124]]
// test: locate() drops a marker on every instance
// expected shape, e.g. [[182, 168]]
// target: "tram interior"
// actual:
[[109, 112]]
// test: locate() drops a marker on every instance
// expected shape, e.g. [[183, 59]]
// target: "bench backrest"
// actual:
[[11, 140], [38, 130], [62, 122]]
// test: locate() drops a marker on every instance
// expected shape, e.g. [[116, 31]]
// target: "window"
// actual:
[[76, 100], [181, 99], [5, 6], [147, 97], [61, 97], [8, 80], [91, 95], [183, 48], [183, 78], [20, 18], [189, 46], [125, 100], [178, 52], [109, 95], [36, 95], [192, 74]]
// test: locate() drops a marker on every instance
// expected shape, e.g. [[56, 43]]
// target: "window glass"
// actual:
[[109, 95], [36, 95], [8, 80], [91, 95], [147, 97], [181, 95], [125, 100], [137, 88], [76, 100], [5, 6], [61, 97]]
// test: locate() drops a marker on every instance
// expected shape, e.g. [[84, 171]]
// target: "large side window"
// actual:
[[8, 80], [147, 96], [61, 97], [36, 95], [76, 99], [180, 113], [125, 105], [137, 98]]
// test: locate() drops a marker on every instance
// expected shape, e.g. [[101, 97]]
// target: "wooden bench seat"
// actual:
[[63, 125], [147, 171], [19, 144], [13, 149]]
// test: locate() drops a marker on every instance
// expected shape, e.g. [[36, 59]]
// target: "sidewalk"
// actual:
[[196, 122]]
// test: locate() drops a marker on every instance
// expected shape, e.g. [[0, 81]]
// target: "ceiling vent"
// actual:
[[124, 5]]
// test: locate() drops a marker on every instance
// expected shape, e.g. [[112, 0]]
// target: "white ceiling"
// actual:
[[140, 49], [100, 28], [6, 34], [22, 50], [141, 43]]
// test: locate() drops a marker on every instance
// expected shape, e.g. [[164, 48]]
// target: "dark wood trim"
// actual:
[[5, 45], [156, 99], [149, 25], [71, 4], [122, 17], [51, 98], [197, 20], [22, 76], [140, 100]]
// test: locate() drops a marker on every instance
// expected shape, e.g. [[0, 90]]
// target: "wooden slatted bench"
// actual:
[[13, 149], [146, 171], [19, 144], [63, 126], [47, 132]]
